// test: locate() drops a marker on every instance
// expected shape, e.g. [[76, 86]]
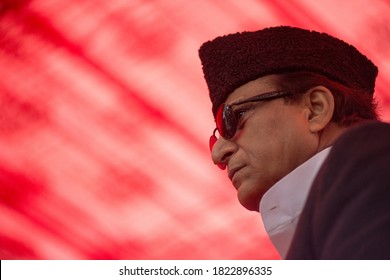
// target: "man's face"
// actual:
[[273, 138]]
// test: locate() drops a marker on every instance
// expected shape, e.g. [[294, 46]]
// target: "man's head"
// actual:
[[318, 85]]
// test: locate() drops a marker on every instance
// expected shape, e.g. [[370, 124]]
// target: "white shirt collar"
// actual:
[[282, 204]]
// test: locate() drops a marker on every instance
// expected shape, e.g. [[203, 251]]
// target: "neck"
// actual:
[[329, 134]]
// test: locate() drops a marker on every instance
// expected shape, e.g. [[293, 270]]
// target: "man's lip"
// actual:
[[233, 171]]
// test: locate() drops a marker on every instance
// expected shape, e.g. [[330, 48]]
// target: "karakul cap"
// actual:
[[233, 60]]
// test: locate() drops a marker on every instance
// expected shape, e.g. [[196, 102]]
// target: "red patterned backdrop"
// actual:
[[105, 120]]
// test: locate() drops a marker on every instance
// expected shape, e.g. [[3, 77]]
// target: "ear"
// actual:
[[320, 103]]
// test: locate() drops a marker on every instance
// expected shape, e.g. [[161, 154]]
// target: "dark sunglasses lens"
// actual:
[[226, 121], [219, 120], [229, 122], [212, 142]]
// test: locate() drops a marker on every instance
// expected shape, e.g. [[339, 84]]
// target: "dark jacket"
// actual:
[[347, 212]]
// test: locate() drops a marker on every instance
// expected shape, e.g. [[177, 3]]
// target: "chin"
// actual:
[[254, 208], [250, 203]]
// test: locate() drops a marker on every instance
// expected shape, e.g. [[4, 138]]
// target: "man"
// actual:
[[297, 132]]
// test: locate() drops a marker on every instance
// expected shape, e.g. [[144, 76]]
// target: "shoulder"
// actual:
[[360, 146], [366, 135], [348, 207], [357, 159]]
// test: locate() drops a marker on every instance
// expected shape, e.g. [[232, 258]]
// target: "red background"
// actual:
[[105, 119]]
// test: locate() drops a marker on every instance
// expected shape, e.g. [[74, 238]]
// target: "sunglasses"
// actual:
[[227, 118]]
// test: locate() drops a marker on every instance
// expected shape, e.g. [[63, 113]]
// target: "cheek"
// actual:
[[264, 144], [266, 158], [278, 147], [268, 166]]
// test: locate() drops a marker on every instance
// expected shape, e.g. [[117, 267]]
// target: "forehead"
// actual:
[[253, 88]]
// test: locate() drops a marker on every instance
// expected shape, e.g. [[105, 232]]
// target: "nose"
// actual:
[[222, 151]]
